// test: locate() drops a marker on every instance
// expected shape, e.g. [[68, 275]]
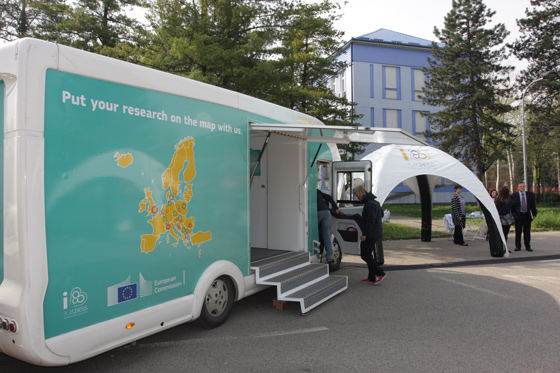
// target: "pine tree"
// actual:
[[96, 25], [221, 42], [307, 48], [19, 19], [279, 51], [305, 64], [466, 77], [307, 41], [276, 50], [539, 44]]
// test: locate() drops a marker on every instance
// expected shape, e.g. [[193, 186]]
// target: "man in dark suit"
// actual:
[[524, 210]]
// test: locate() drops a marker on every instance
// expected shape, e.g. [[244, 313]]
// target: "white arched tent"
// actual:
[[419, 167]]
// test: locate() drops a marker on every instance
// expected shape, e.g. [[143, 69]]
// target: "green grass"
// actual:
[[414, 211], [548, 217], [393, 231]]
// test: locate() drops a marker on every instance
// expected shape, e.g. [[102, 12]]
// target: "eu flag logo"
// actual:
[[127, 292]]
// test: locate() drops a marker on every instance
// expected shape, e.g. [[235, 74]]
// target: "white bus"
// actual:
[[134, 200]]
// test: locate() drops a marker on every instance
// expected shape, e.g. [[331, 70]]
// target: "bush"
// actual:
[[548, 219]]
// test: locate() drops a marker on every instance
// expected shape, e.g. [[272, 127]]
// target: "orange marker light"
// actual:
[[130, 325]]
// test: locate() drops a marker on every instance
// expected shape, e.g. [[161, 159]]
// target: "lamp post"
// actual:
[[550, 75]]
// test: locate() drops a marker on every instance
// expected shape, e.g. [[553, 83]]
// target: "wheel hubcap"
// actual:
[[217, 298], [335, 252]]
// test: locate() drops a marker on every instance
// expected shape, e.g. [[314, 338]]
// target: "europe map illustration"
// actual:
[[170, 219]]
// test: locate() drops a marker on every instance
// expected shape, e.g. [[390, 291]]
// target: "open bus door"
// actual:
[[346, 228], [345, 175]]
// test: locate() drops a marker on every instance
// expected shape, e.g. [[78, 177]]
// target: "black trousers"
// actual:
[[458, 235], [366, 252], [505, 229], [523, 224]]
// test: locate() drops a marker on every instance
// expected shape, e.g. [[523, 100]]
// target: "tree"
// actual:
[[467, 79], [542, 137], [306, 66], [20, 19], [95, 25], [279, 51], [539, 40], [222, 42], [539, 44], [307, 43], [505, 150]]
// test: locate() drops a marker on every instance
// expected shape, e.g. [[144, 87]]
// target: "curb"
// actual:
[[404, 267]]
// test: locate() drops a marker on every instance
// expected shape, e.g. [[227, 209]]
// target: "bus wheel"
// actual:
[[218, 303], [336, 256]]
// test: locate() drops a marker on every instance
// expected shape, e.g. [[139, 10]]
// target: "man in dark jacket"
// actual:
[[524, 211], [372, 230]]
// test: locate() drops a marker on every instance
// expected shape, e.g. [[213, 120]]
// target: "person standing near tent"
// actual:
[[504, 204], [372, 230], [459, 215], [524, 210]]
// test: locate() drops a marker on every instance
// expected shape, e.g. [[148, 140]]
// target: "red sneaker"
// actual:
[[379, 279], [367, 281]]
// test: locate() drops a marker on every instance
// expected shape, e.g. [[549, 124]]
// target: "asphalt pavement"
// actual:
[[472, 318], [403, 254]]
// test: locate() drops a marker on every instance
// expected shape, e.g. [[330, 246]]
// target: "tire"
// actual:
[[218, 303], [336, 257]]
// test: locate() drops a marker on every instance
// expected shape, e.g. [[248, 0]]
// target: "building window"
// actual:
[[418, 83], [371, 86], [343, 84], [372, 117], [392, 82], [333, 85], [392, 118], [420, 122]]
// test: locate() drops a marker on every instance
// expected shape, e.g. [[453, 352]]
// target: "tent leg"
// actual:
[[426, 205], [497, 248]]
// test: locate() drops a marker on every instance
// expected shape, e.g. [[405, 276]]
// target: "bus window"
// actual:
[[347, 182]]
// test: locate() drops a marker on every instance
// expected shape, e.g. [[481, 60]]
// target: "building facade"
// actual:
[[385, 79]]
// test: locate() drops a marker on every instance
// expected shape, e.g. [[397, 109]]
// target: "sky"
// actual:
[[418, 17]]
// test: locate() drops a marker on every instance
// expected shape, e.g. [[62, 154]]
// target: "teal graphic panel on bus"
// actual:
[[143, 191], [2, 93]]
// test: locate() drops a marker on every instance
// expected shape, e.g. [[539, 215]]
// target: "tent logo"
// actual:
[[416, 159], [414, 155]]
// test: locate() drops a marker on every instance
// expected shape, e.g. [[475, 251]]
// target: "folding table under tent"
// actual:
[[420, 167]]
